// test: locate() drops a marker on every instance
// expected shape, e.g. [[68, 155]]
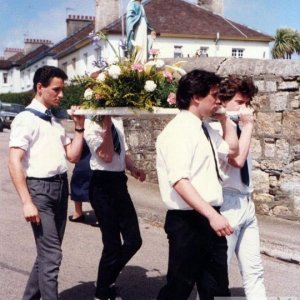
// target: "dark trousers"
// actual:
[[51, 200], [117, 218], [194, 250]]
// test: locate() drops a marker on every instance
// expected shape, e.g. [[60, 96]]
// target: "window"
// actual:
[[74, 63], [28, 81], [64, 67], [98, 53], [237, 52], [85, 59], [5, 78], [178, 51], [202, 52]]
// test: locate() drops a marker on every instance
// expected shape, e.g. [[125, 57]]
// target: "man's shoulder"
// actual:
[[214, 127], [24, 116], [175, 129]]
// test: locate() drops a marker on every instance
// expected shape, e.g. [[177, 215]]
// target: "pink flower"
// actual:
[[168, 76], [154, 51], [137, 67], [172, 99]]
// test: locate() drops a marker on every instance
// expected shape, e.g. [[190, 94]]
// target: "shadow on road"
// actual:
[[82, 291], [134, 284], [237, 291]]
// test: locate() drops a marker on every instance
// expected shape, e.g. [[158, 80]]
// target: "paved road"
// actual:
[[140, 280]]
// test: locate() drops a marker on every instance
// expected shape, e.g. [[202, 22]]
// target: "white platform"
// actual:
[[128, 111]]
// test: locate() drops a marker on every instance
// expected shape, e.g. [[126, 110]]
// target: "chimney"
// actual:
[[76, 22], [215, 6], [32, 44], [9, 52], [107, 11]]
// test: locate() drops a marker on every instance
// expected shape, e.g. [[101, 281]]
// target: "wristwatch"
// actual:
[[79, 129]]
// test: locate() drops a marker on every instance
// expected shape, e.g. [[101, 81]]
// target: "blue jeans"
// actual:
[[51, 200]]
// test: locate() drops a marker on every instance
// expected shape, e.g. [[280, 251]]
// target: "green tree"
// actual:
[[287, 42]]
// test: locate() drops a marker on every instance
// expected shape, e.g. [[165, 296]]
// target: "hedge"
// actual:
[[73, 95], [20, 98]]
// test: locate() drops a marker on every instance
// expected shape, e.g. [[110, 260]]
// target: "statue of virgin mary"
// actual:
[[137, 30]]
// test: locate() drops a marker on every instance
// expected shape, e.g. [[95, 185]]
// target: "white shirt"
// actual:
[[183, 151], [232, 180], [93, 136], [43, 142]]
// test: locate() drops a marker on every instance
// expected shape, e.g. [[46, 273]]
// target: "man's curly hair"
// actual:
[[237, 84]]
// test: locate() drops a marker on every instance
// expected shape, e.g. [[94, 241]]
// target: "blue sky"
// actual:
[[21, 19]]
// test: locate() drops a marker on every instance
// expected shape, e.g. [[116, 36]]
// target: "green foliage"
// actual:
[[73, 94], [123, 83], [287, 42], [19, 98], [130, 85]]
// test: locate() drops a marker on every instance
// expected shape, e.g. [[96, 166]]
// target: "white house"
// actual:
[[189, 29]]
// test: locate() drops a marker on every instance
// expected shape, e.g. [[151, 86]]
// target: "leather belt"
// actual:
[[52, 178]]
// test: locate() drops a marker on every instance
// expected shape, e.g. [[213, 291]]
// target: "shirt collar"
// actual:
[[192, 118], [38, 105]]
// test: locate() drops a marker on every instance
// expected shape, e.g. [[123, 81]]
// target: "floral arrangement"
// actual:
[[122, 83]]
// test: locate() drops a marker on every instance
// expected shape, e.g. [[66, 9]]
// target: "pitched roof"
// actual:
[[42, 51], [66, 45], [32, 56], [5, 64], [178, 18]]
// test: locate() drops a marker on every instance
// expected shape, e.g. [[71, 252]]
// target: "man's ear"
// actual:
[[195, 99], [39, 88]]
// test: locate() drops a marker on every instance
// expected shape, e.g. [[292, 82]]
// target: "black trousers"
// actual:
[[117, 218], [194, 251]]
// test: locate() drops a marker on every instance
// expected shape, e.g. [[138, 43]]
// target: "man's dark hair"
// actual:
[[195, 83], [237, 84], [44, 75]]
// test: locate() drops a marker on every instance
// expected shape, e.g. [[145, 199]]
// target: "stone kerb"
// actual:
[[275, 145]]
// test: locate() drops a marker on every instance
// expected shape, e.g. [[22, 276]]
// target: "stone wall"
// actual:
[[275, 144]]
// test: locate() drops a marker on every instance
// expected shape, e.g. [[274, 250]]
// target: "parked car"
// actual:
[[8, 111]]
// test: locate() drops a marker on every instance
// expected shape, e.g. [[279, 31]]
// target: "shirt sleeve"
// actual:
[[93, 135], [22, 131], [176, 154]]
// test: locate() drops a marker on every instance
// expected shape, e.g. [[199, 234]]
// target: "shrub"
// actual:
[[19, 98]]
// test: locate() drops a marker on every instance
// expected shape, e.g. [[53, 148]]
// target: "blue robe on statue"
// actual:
[[134, 15]]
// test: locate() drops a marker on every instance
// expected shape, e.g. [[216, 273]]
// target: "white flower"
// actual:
[[174, 69], [101, 77], [112, 60], [88, 94], [159, 63], [114, 71], [150, 86]]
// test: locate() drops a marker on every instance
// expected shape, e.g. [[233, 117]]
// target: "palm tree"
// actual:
[[287, 41]]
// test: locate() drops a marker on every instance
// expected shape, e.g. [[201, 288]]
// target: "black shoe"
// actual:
[[80, 219], [96, 224], [108, 294]]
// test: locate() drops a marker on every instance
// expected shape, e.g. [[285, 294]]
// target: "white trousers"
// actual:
[[239, 210]]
